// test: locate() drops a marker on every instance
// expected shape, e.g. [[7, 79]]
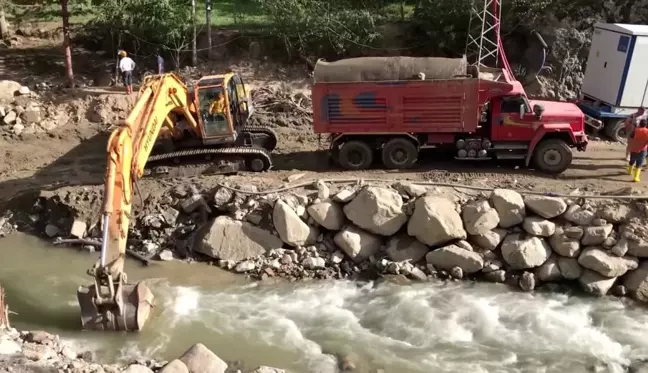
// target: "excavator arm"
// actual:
[[111, 303]]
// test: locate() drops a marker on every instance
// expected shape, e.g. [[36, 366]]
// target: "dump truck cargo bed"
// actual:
[[409, 106]]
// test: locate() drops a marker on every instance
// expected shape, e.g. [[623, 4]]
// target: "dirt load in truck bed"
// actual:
[[365, 69]]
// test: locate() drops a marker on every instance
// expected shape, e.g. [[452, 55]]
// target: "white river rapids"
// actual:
[[420, 328]]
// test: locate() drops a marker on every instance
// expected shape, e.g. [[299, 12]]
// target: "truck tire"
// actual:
[[552, 156], [355, 155], [615, 130], [399, 153]]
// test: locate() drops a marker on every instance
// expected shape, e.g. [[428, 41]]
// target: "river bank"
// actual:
[[39, 351], [368, 230]]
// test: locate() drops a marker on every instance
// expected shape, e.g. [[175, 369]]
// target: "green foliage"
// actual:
[[145, 25], [444, 23], [323, 27]]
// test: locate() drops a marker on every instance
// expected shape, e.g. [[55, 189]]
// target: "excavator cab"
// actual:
[[213, 114], [223, 107]]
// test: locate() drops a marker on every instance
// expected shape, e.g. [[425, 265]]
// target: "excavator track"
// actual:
[[271, 142], [255, 159]]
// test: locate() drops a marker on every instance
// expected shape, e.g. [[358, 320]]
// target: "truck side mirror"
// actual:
[[538, 110], [522, 110], [244, 107]]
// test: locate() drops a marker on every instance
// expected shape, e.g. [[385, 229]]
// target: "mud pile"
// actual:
[[39, 351], [25, 112], [380, 230]]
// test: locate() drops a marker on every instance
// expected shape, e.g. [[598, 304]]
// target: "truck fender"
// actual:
[[542, 132]]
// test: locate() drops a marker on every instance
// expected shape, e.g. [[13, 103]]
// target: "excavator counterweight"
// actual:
[[168, 121]]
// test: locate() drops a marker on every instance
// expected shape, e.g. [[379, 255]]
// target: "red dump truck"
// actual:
[[478, 114]]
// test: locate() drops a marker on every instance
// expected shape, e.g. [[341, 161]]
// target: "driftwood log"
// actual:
[[363, 69]]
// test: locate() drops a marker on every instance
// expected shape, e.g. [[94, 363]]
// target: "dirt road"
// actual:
[[78, 158]]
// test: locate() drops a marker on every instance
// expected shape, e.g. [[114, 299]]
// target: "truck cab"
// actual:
[[515, 126]]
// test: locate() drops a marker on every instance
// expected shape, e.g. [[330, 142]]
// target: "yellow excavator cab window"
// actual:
[[213, 111]]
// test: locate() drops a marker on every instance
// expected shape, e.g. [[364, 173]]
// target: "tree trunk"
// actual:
[[4, 310], [4, 28], [208, 22], [66, 42], [194, 51]]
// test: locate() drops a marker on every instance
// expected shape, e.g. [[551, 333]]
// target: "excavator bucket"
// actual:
[[128, 312]]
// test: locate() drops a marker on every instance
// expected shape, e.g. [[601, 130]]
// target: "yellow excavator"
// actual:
[[173, 121]]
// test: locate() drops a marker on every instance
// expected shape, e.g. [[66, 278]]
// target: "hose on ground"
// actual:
[[431, 183]]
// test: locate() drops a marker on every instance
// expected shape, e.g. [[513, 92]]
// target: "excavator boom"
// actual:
[[111, 303]]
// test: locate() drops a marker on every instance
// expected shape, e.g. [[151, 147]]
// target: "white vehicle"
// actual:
[[616, 77]]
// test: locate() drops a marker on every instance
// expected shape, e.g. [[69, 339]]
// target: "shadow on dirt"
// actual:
[[82, 165], [429, 161]]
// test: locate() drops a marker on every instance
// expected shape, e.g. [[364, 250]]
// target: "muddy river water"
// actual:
[[422, 328]]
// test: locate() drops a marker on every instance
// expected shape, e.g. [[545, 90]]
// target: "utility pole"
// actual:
[[194, 51], [65, 15], [208, 21]]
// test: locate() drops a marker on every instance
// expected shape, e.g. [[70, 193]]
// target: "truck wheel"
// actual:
[[355, 155], [399, 153], [552, 156], [615, 130]]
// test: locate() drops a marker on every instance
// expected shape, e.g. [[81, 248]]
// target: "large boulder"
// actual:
[[175, 366], [291, 228], [579, 216], [479, 217], [545, 206], [8, 89], [199, 359], [489, 240], [569, 268], [403, 247], [409, 189], [229, 239], [358, 244], [525, 252], [566, 242], [596, 235], [605, 263], [549, 271], [637, 247], [637, 283], [327, 214], [377, 210], [510, 207], [595, 283], [539, 226], [452, 256], [435, 221]]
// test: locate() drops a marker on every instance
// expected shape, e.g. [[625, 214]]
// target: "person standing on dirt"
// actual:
[[638, 143], [126, 66], [630, 125]]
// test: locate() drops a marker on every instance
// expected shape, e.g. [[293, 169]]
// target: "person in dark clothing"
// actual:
[[160, 63]]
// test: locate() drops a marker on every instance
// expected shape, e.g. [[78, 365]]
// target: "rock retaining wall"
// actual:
[[39, 351], [398, 229]]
